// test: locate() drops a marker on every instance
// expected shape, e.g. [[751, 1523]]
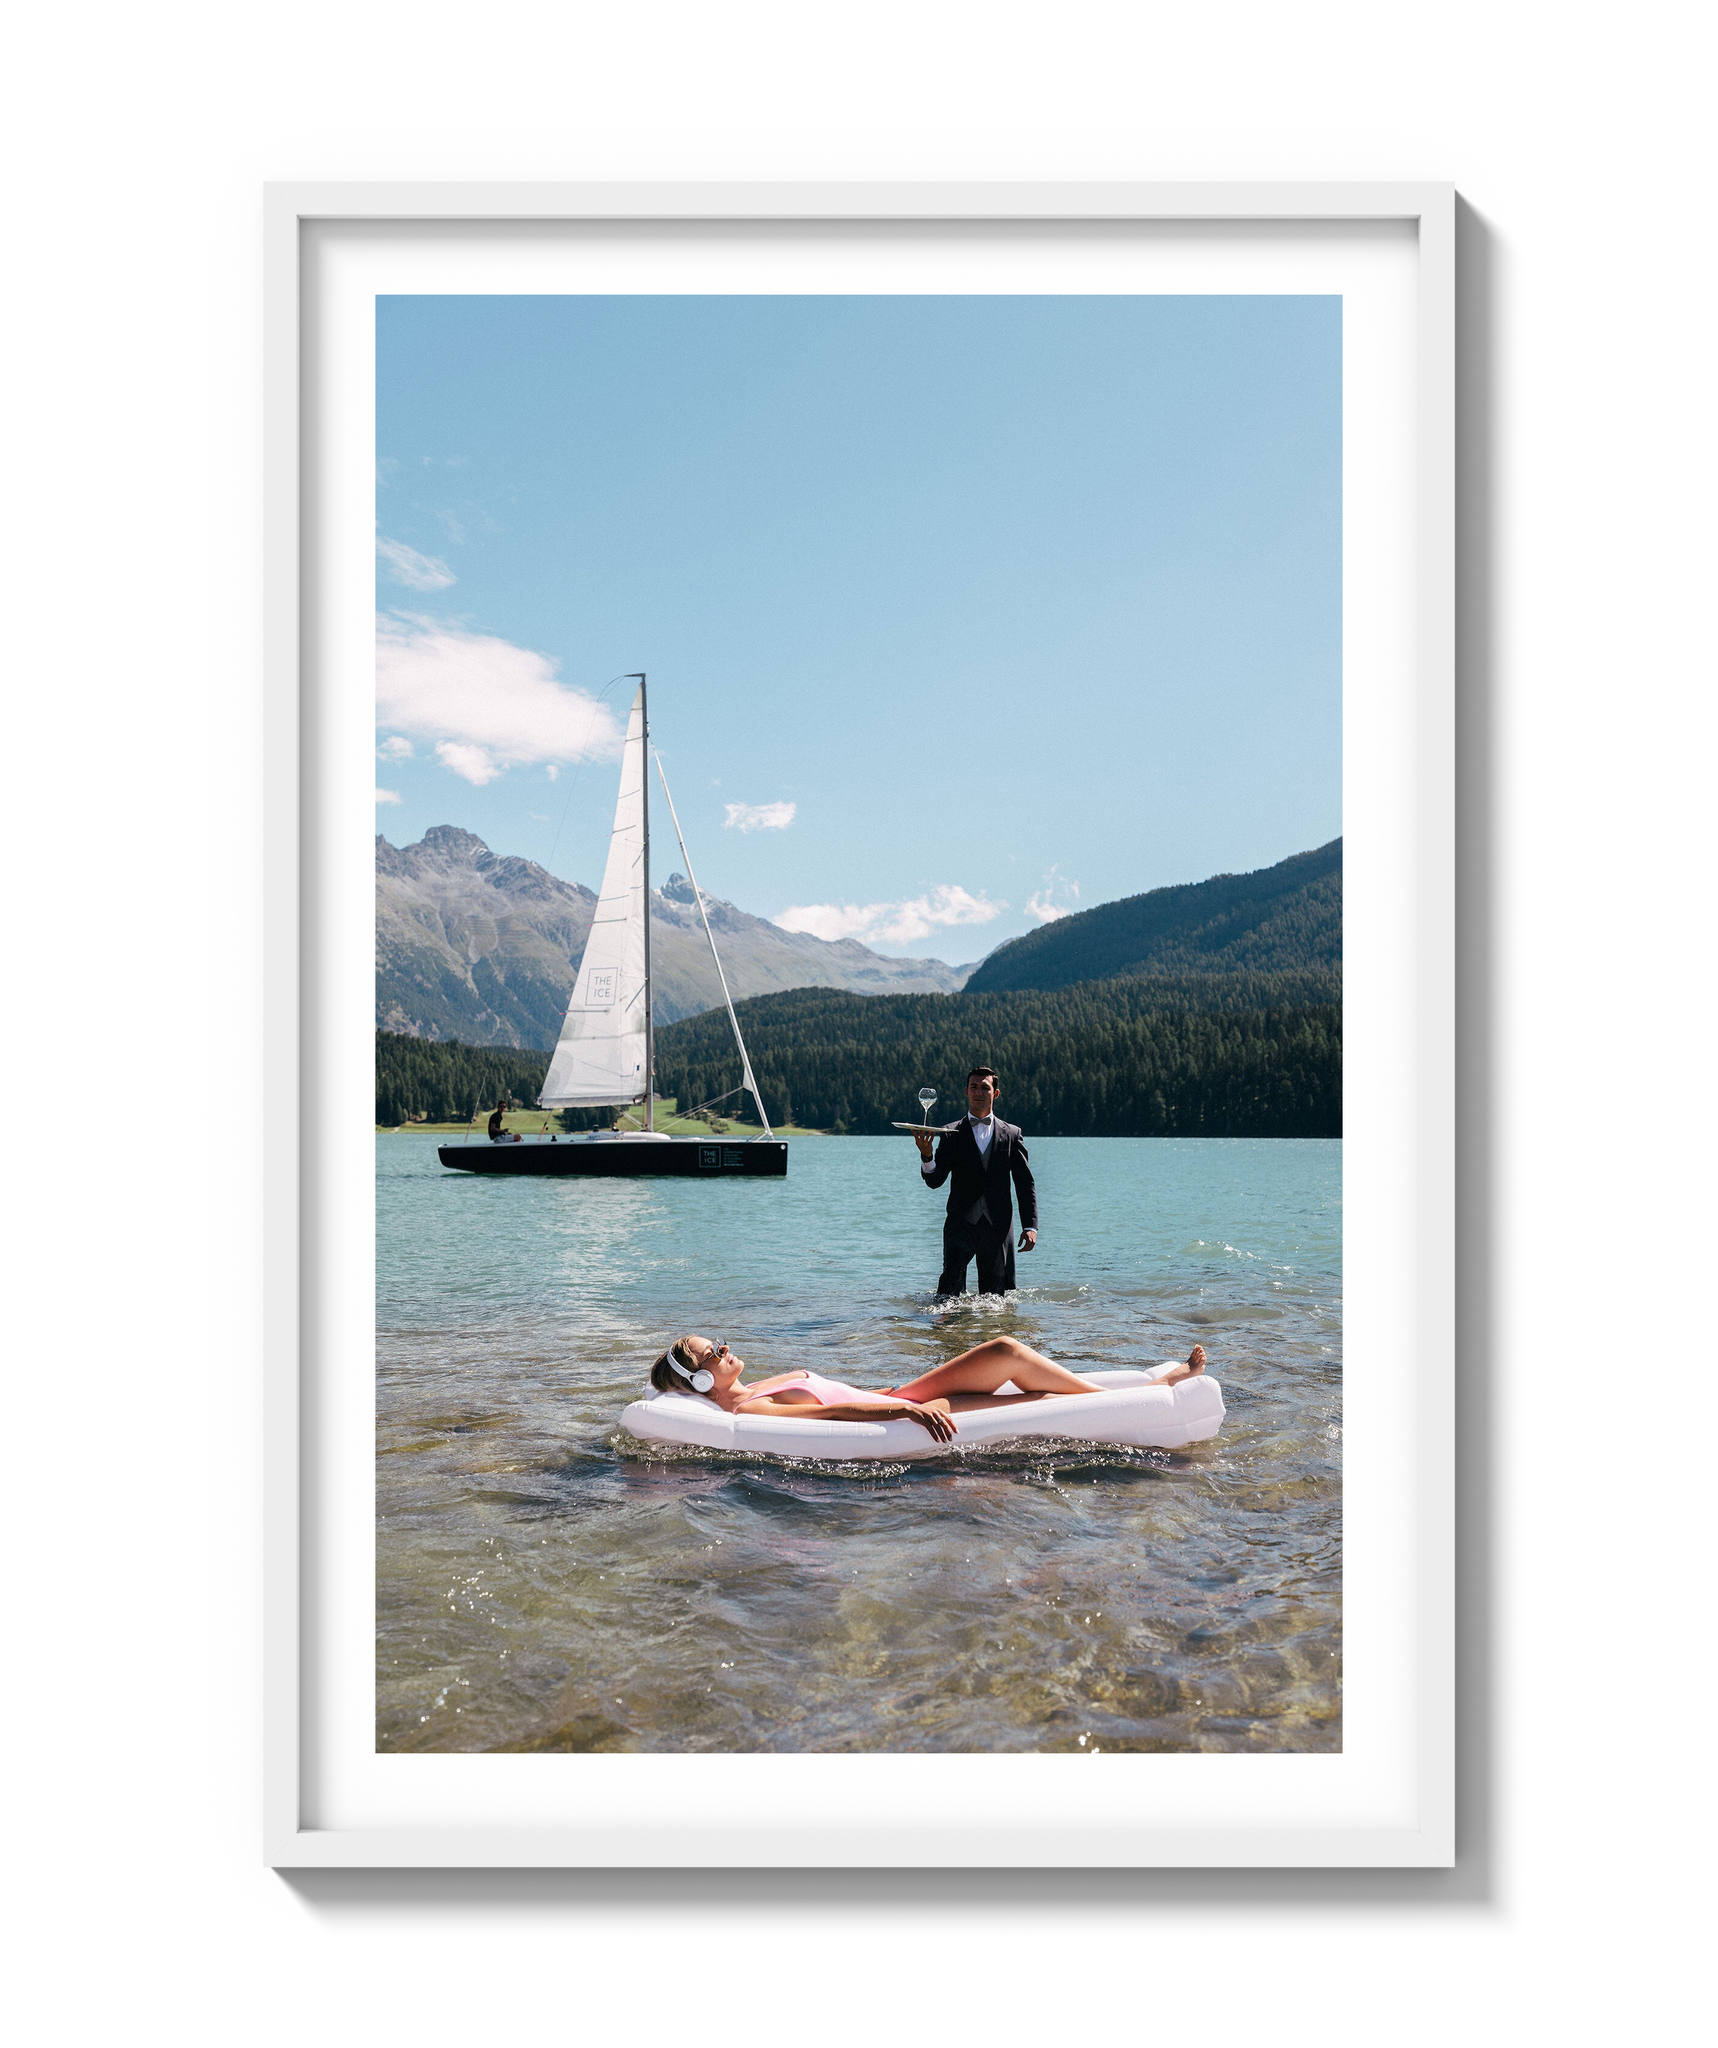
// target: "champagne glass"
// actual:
[[926, 1097]]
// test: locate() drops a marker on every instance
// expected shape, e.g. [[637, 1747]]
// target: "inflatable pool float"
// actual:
[[1132, 1409]]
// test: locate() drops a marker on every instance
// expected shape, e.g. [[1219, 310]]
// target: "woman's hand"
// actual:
[[933, 1416]]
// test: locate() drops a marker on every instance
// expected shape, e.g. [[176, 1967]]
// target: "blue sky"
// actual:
[[959, 613]]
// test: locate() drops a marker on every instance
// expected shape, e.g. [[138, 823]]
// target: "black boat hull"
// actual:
[[696, 1158]]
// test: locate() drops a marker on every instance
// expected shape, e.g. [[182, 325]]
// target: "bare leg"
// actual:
[[988, 1366]]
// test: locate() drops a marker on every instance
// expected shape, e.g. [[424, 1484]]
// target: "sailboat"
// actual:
[[605, 1057]]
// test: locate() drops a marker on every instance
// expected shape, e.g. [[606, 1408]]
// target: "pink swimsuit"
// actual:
[[834, 1393]]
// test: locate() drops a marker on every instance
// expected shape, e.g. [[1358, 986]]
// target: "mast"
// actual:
[[649, 1005], [745, 1062]]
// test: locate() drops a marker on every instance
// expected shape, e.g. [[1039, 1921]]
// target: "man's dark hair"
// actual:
[[988, 1073]]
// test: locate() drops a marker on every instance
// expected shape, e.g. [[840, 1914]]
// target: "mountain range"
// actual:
[[483, 947]]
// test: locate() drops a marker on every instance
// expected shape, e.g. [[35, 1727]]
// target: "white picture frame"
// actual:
[[768, 1811]]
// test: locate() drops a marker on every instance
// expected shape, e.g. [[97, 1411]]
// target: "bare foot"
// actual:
[[1195, 1365]]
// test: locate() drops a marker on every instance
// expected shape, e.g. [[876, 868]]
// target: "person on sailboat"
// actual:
[[497, 1135], [695, 1365], [980, 1157]]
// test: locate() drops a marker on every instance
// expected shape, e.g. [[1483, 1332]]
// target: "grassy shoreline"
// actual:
[[529, 1123]]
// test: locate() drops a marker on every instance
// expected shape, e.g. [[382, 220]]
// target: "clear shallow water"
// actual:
[[547, 1582]]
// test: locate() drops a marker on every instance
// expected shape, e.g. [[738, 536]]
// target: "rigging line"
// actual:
[[714, 1099], [579, 768], [746, 1074]]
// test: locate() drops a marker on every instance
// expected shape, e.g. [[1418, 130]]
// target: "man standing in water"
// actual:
[[981, 1157]]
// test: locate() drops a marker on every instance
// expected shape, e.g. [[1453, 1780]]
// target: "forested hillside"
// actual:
[[1163, 1055], [1282, 919], [1188, 1056], [444, 1082]]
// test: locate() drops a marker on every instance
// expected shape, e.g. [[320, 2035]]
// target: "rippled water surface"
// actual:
[[546, 1582]]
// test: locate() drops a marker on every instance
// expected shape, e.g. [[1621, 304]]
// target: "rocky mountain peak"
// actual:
[[483, 947], [451, 843]]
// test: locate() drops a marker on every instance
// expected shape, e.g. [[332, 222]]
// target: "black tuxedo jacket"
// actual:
[[971, 1173]]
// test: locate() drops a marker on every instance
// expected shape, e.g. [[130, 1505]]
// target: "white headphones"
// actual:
[[702, 1381]]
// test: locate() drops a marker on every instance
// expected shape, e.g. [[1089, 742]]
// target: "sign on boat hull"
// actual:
[[697, 1158]]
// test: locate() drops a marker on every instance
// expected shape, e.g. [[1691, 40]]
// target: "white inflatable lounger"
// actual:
[[1132, 1409]]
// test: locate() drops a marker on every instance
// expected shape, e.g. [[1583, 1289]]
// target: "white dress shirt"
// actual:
[[983, 1130]]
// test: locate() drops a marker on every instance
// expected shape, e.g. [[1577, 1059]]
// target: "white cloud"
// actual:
[[760, 817], [387, 796], [1043, 904], [476, 764], [551, 771], [482, 703], [394, 748], [832, 920], [415, 571], [891, 924]]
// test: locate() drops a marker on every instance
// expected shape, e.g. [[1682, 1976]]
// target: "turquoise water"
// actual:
[[546, 1582]]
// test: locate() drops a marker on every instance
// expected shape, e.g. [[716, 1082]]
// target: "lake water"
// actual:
[[546, 1582]]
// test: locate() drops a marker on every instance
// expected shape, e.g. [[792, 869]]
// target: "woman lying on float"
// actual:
[[694, 1365]]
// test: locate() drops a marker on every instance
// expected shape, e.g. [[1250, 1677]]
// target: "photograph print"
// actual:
[[858, 1027]]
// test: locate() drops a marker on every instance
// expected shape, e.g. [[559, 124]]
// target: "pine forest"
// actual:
[[1165, 1055]]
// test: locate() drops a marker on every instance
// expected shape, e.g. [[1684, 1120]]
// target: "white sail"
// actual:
[[603, 1056]]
